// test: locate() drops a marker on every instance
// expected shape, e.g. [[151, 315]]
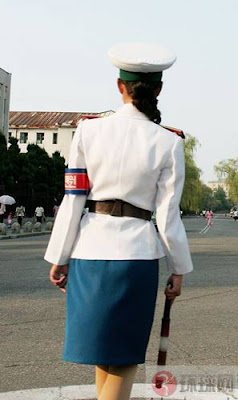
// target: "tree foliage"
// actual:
[[228, 170], [220, 200], [196, 195], [32, 178], [192, 185]]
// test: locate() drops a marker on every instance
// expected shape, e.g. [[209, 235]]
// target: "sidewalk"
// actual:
[[23, 234], [139, 391], [11, 235]]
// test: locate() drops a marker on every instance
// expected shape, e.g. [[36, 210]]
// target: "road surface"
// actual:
[[204, 319]]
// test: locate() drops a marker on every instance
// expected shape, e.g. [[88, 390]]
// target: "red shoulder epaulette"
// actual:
[[175, 130], [89, 117]]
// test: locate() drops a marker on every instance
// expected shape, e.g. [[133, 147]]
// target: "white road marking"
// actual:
[[207, 227], [203, 231], [140, 390]]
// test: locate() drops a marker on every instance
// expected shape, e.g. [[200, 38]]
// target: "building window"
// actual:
[[39, 137], [23, 137], [55, 137]]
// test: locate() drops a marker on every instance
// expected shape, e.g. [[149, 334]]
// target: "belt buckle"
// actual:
[[117, 209]]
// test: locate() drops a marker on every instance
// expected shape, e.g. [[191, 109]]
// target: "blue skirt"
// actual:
[[110, 311]]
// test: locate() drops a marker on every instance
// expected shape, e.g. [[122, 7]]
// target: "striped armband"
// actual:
[[76, 181]]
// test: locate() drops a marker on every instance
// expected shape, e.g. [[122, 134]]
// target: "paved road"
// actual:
[[204, 319]]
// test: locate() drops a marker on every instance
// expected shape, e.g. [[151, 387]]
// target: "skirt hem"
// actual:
[[94, 362]]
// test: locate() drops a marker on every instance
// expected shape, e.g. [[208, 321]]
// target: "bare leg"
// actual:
[[101, 376], [118, 383]]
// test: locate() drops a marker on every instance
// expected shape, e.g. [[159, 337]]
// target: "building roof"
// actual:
[[4, 72], [49, 119]]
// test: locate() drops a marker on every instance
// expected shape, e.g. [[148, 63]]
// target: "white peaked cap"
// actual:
[[141, 57]]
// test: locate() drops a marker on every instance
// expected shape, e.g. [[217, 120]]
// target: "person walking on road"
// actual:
[[124, 166], [209, 216]]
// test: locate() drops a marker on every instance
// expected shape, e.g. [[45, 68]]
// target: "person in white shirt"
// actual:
[[125, 166], [235, 215], [20, 213], [2, 212], [39, 213]]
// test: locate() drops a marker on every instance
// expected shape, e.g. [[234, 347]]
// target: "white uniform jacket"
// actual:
[[131, 158]]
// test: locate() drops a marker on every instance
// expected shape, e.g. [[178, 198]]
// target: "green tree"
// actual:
[[3, 161], [14, 164], [33, 178], [228, 170], [205, 197], [220, 201], [45, 176], [192, 185], [58, 169]]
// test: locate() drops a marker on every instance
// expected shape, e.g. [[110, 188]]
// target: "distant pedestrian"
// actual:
[[20, 213], [9, 220], [55, 210], [235, 215], [39, 213], [209, 215], [2, 212]]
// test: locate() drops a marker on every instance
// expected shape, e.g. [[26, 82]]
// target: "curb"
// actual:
[[19, 235], [86, 392]]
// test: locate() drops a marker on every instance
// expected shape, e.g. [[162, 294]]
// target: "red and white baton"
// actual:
[[164, 333]]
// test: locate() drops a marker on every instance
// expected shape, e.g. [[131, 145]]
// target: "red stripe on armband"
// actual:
[[76, 181]]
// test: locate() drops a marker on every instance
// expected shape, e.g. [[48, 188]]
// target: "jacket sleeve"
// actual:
[[67, 223], [171, 229]]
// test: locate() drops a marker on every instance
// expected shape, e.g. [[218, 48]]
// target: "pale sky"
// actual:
[[57, 53]]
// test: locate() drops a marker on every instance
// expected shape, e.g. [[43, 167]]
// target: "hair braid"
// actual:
[[144, 98]]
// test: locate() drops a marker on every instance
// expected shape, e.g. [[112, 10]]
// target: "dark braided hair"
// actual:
[[143, 96]]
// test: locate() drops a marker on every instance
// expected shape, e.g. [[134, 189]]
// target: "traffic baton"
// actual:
[[164, 333]]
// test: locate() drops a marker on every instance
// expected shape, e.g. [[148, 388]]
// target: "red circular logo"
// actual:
[[164, 383]]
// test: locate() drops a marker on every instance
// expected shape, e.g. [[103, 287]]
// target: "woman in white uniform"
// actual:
[[125, 166]]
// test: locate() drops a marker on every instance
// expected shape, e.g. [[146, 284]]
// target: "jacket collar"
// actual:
[[130, 111]]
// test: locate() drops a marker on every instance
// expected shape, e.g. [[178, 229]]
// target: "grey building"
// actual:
[[5, 85]]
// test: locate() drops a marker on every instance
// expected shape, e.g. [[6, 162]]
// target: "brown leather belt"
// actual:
[[117, 208]]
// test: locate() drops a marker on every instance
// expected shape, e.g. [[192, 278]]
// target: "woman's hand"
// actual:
[[173, 287], [58, 276]]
